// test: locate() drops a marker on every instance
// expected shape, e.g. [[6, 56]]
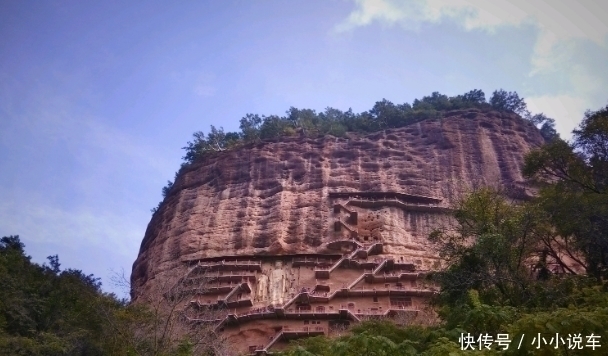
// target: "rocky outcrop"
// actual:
[[309, 196]]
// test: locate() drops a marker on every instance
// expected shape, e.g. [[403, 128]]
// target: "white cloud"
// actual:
[[583, 81], [557, 21], [471, 14], [566, 110], [561, 27]]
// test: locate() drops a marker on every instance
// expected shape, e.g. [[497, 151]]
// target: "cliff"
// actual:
[[289, 227], [271, 198]]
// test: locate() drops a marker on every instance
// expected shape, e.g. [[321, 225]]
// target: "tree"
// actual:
[[8, 243], [163, 321], [331, 121], [384, 115], [508, 101], [475, 97], [491, 247], [548, 131], [574, 194], [509, 252], [304, 121], [274, 126], [250, 127], [537, 119], [436, 101], [167, 188], [591, 140], [215, 141], [545, 124], [218, 140], [46, 311], [387, 115]]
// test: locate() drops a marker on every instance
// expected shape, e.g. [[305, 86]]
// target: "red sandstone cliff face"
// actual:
[[273, 198]]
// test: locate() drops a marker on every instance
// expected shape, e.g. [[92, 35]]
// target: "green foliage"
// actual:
[[508, 101], [384, 338], [487, 250], [362, 343], [497, 278], [275, 126], [216, 140], [318, 345], [591, 140], [167, 188], [574, 194], [383, 115], [548, 131], [250, 127], [545, 124], [587, 315], [48, 311], [475, 96], [44, 310]]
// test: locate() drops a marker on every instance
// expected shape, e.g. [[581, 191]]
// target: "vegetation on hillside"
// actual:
[[384, 115], [534, 272], [48, 311]]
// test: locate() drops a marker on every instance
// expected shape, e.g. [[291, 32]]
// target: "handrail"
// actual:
[[373, 194], [273, 341], [350, 229], [399, 204], [296, 332], [380, 266], [387, 312], [235, 289], [281, 311]]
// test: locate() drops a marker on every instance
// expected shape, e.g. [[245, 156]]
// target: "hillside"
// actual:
[[331, 201]]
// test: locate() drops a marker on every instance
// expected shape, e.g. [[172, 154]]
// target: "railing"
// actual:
[[311, 261], [372, 312], [312, 313], [374, 247], [352, 231], [305, 331], [372, 195], [233, 277], [380, 266], [403, 307], [273, 341], [240, 287], [325, 272], [282, 311], [245, 287], [206, 266], [391, 310], [230, 263], [399, 204]]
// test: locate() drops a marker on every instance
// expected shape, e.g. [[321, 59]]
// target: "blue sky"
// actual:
[[97, 98]]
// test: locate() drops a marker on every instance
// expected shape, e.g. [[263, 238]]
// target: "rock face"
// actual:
[[331, 226]]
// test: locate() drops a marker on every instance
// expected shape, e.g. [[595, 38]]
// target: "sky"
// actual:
[[97, 99]]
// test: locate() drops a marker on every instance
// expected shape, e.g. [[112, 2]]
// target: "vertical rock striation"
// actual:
[[274, 203]]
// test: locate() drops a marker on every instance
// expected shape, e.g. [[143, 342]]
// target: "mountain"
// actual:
[[296, 236]]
